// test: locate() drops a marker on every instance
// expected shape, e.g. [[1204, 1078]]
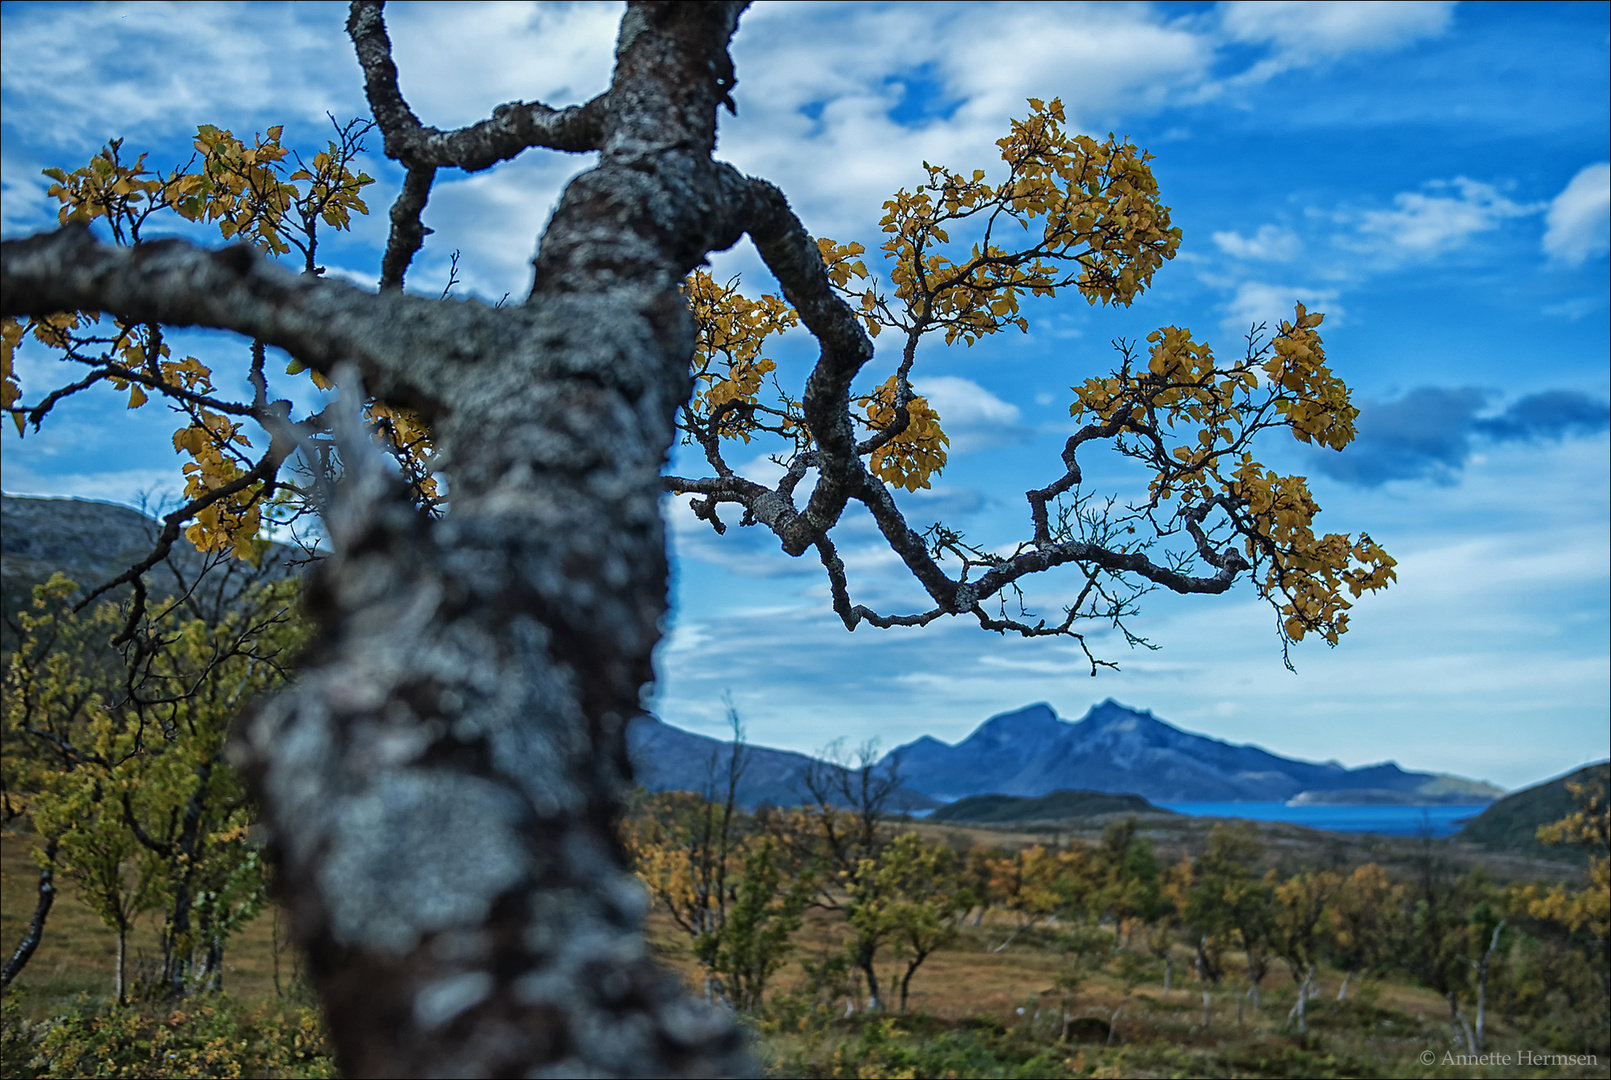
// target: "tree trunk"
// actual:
[[1482, 1004], [122, 978], [443, 781], [1299, 1011], [36, 925], [215, 965], [1205, 1008], [1462, 1024], [874, 998], [1482, 982], [1342, 990]]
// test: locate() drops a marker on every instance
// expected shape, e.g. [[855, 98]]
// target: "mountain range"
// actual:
[[1114, 748], [1032, 753]]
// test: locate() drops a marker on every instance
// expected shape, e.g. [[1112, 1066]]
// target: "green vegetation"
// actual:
[[117, 795], [209, 1036], [1057, 806], [1512, 823]]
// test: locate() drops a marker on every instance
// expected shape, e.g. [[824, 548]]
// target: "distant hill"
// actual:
[[666, 758], [1511, 824], [1032, 752], [91, 542], [1057, 806]]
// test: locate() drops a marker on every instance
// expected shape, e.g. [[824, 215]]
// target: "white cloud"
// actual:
[[125, 487], [1270, 244], [98, 71], [455, 62], [973, 417], [1304, 32], [1580, 216], [1428, 223], [24, 206], [1260, 302]]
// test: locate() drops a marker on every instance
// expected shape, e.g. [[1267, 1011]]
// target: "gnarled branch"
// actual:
[[399, 342], [514, 127]]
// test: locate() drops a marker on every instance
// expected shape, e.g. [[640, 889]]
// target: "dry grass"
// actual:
[[969, 990], [77, 953]]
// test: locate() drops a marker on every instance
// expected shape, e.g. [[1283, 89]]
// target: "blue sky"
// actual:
[[1432, 176]]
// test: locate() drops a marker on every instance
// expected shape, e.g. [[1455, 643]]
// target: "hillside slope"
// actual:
[[92, 543], [666, 758], [1512, 823]]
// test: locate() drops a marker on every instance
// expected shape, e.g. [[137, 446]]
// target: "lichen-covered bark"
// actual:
[[441, 783], [444, 780]]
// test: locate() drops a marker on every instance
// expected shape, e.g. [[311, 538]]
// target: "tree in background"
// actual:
[[1216, 881], [723, 882], [123, 765], [687, 847], [1572, 947], [975, 880], [440, 783], [1250, 908], [1129, 889], [1035, 884], [766, 909], [1174, 887], [919, 896], [1434, 931], [1485, 932], [54, 687], [1360, 923], [844, 833], [1301, 903]]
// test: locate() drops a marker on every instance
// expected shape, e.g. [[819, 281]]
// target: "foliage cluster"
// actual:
[[262, 194], [1071, 212]]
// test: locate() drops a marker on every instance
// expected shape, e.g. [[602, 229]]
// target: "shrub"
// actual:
[[211, 1036]]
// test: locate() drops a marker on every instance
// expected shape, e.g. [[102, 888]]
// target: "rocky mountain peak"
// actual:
[[1031, 752]]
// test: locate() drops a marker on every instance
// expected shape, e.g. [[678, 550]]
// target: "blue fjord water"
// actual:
[[1439, 821]]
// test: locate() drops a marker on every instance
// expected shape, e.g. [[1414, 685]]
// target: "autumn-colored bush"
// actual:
[[209, 1036]]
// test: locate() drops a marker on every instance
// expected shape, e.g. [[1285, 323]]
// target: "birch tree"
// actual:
[[441, 783]]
